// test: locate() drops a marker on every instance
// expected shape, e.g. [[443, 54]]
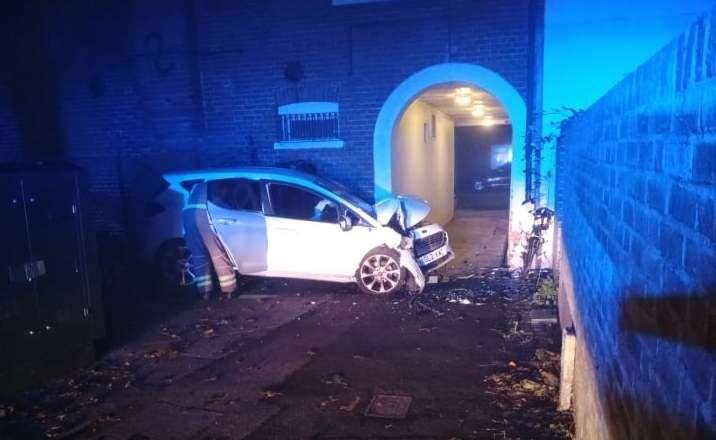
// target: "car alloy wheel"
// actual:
[[380, 273]]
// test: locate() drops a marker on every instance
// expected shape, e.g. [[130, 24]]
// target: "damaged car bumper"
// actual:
[[431, 247]]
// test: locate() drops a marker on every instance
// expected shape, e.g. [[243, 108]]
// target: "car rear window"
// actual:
[[237, 194]]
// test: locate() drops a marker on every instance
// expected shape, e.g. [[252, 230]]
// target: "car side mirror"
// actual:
[[345, 222]]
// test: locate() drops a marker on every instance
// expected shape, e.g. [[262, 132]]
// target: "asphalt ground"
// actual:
[[294, 360]]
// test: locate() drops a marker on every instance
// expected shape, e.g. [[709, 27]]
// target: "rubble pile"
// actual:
[[525, 389], [493, 285]]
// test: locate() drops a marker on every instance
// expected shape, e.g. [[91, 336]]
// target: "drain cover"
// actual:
[[388, 406]]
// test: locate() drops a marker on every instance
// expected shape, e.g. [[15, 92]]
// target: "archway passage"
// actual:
[[452, 147], [391, 166]]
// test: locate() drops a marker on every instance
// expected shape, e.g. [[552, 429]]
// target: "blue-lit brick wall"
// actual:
[[636, 200], [9, 142], [146, 87], [366, 50]]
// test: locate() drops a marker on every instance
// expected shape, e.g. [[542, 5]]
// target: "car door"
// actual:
[[236, 212], [304, 237]]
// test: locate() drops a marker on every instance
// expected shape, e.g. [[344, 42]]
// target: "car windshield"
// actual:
[[343, 192]]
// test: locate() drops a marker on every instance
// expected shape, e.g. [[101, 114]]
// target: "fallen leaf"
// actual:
[[351, 406], [549, 378], [268, 394]]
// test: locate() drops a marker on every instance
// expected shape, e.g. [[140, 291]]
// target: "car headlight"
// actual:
[[406, 243]]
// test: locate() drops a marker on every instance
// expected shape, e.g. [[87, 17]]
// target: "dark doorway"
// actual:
[[483, 158]]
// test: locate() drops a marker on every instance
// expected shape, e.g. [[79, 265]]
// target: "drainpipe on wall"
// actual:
[[535, 63]]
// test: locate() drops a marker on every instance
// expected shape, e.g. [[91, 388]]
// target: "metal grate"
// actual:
[[388, 406], [309, 126], [429, 243]]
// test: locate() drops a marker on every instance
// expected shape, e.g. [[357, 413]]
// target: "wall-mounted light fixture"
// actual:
[[463, 96]]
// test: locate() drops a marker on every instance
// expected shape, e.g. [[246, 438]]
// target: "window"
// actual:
[[237, 194], [433, 127], [189, 184], [298, 204], [313, 124]]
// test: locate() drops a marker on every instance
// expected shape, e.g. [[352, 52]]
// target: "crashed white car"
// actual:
[[283, 223]]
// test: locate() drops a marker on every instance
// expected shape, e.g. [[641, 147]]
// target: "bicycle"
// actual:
[[542, 221]]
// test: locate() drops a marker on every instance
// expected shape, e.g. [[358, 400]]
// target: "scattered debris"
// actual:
[[269, 394], [351, 406], [336, 379], [162, 353], [549, 378], [422, 307], [427, 329], [328, 401], [388, 406]]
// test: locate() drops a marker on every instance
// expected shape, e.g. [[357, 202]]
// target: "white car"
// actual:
[[283, 223]]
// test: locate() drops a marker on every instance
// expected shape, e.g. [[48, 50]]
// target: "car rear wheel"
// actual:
[[380, 272], [172, 263]]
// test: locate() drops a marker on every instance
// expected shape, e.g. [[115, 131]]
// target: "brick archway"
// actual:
[[399, 99]]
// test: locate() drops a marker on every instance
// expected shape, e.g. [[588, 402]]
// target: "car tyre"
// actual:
[[380, 273]]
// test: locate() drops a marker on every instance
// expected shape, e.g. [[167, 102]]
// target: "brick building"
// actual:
[[135, 89]]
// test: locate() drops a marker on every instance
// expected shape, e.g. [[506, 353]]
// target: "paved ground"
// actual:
[[479, 239], [303, 360], [495, 199]]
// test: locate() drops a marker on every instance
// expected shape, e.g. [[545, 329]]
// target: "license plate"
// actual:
[[433, 256]]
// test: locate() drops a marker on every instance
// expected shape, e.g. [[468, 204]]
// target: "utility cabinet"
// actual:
[[50, 301]]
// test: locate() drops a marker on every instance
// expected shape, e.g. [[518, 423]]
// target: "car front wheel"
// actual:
[[380, 273]]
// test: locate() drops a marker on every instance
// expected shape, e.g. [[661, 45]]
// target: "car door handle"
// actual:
[[290, 230], [226, 221]]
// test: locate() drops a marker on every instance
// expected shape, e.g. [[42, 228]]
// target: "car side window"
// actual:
[[355, 218], [295, 203], [236, 194]]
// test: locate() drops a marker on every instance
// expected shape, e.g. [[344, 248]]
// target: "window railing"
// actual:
[[309, 127], [305, 123]]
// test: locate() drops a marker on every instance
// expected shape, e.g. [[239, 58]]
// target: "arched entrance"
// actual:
[[508, 97]]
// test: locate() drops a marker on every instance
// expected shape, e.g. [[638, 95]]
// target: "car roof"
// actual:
[[176, 178]]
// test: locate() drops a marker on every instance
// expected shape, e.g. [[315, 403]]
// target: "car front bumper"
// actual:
[[431, 247], [440, 262]]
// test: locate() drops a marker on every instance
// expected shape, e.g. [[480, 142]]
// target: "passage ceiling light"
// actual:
[[487, 121], [478, 110], [463, 96]]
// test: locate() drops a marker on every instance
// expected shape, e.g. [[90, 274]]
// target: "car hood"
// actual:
[[411, 210]]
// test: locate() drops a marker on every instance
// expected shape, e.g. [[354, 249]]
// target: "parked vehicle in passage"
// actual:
[[499, 178], [285, 223]]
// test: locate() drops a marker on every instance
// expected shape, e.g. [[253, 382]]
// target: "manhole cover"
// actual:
[[388, 407]]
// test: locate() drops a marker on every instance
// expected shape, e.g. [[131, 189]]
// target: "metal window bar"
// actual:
[[309, 126]]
